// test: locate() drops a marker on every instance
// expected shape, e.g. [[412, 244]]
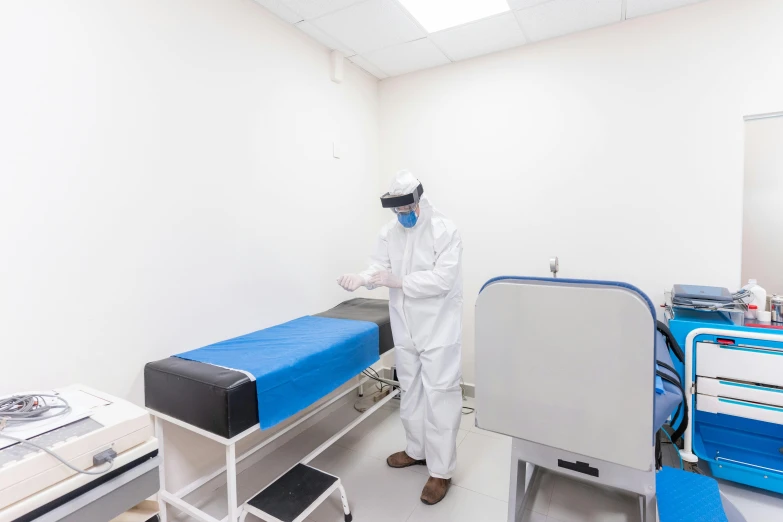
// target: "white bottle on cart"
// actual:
[[759, 294]]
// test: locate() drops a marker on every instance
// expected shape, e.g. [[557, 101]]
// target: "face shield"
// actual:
[[406, 209], [404, 206], [404, 203]]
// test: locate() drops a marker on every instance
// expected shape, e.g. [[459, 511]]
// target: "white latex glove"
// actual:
[[351, 282], [385, 278]]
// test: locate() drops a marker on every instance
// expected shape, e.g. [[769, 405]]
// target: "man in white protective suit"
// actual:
[[419, 258]]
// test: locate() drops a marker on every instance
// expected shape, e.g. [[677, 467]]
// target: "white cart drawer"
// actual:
[[738, 408], [739, 363], [740, 390]]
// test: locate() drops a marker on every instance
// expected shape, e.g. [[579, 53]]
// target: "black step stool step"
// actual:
[[287, 498]]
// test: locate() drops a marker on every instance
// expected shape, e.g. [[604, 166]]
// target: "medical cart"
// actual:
[[734, 388]]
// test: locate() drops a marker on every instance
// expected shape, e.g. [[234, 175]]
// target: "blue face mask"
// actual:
[[408, 219]]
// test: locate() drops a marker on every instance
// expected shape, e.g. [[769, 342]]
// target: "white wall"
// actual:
[[762, 246], [167, 181], [619, 150]]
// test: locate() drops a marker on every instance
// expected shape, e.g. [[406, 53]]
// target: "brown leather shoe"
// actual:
[[435, 490], [402, 460]]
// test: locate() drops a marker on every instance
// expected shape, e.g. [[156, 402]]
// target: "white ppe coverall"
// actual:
[[426, 322]]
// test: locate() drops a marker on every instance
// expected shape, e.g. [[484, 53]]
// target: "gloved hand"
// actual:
[[351, 282], [385, 278]]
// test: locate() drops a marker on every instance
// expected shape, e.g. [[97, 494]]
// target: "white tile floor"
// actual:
[[479, 493]]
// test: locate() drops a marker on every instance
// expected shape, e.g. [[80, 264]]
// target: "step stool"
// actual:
[[295, 495]]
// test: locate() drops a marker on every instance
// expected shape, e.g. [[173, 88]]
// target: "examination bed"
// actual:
[[233, 388], [224, 401]]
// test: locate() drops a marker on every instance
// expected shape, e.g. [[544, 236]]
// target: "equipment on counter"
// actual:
[[758, 295], [700, 299], [693, 295], [75, 457], [776, 309]]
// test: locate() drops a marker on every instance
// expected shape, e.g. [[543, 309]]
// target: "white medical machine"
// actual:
[[567, 370], [34, 485], [578, 375]]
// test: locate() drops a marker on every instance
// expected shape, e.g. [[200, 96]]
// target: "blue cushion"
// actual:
[[688, 497]]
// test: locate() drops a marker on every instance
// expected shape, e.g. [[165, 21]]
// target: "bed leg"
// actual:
[[162, 506], [346, 509], [231, 482], [361, 390]]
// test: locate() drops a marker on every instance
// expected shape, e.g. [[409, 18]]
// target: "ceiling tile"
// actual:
[[370, 25], [559, 17], [324, 38], [523, 4], [408, 57], [644, 7], [315, 8], [481, 37], [282, 10], [369, 67]]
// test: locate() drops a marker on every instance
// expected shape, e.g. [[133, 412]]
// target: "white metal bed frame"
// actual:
[[235, 510]]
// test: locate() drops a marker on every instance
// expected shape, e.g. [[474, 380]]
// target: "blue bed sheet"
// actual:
[[296, 363]]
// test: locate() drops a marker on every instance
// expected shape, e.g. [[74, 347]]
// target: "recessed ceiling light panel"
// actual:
[[436, 15]]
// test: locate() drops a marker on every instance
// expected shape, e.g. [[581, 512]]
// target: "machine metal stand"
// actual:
[[527, 457]]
